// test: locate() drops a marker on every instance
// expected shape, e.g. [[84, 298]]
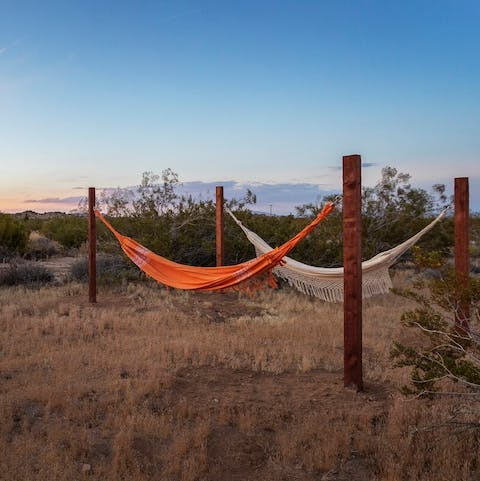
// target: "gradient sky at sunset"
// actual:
[[265, 92]]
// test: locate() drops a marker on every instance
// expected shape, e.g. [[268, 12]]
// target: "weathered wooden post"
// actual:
[[462, 257], [92, 247], [220, 245], [352, 262]]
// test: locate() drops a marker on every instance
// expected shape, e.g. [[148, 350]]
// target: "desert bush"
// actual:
[[111, 269], [40, 247], [25, 273], [13, 236], [184, 232], [392, 211], [69, 231], [475, 235], [448, 349]]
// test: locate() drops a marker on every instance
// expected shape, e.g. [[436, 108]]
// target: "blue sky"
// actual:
[[96, 92]]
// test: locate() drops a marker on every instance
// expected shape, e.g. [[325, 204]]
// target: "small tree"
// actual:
[[156, 198], [180, 228], [117, 202], [392, 211]]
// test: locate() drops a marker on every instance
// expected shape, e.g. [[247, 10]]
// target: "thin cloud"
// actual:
[[54, 200], [8, 47], [365, 165]]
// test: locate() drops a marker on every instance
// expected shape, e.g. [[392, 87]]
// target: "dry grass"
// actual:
[[166, 385]]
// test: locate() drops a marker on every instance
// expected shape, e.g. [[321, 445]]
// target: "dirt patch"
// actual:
[[297, 390], [217, 306], [60, 266], [251, 413]]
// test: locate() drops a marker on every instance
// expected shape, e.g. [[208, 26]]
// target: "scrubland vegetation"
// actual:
[[157, 384]]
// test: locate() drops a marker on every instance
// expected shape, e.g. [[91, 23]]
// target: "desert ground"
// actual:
[[157, 384]]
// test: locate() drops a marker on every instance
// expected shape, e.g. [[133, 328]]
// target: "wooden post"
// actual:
[[92, 247], [219, 226], [352, 262], [462, 258]]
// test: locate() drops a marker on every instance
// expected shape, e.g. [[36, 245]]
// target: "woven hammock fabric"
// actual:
[[327, 283], [181, 276]]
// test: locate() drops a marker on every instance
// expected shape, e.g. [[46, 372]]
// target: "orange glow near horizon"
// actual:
[[13, 206]]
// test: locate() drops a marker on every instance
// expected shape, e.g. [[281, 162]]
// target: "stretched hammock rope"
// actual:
[[182, 276], [327, 283]]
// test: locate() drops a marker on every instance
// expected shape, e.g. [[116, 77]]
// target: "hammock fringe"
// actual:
[[332, 291]]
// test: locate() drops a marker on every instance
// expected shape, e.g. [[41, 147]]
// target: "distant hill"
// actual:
[[30, 214]]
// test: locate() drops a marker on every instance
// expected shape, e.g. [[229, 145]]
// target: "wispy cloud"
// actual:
[[365, 165], [5, 48], [54, 200]]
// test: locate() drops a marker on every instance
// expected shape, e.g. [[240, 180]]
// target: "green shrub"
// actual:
[[13, 236], [447, 348], [69, 231]]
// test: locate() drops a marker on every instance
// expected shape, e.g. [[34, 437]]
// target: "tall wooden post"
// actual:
[[92, 247], [462, 258], [352, 262], [219, 226]]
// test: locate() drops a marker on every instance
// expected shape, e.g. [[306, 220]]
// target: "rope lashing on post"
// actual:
[[181, 276]]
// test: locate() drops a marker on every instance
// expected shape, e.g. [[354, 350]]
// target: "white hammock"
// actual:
[[327, 283]]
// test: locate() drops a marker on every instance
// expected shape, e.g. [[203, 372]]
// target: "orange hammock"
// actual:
[[181, 276]]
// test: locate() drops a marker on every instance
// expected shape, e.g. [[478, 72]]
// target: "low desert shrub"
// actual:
[[25, 273], [41, 247], [110, 269], [448, 345], [13, 236]]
